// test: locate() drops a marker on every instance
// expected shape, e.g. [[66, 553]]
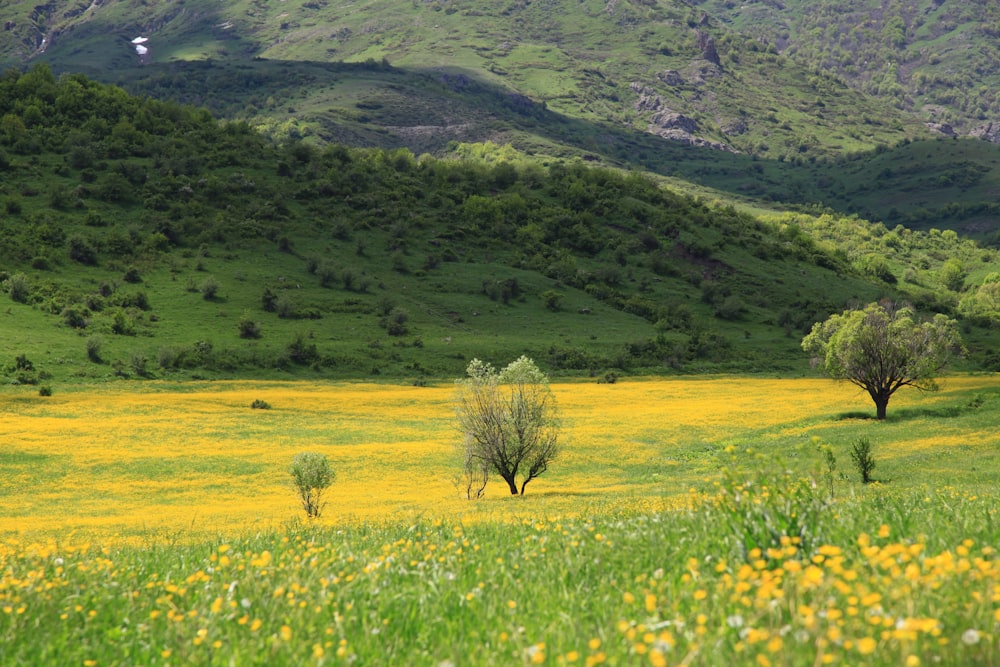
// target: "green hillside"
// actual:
[[937, 60], [143, 238], [754, 104]]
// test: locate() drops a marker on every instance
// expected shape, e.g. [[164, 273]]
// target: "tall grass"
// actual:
[[619, 588]]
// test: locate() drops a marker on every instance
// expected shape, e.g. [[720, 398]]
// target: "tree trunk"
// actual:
[[512, 484], [881, 403]]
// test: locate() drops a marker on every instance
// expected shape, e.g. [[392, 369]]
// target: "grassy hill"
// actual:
[[143, 238]]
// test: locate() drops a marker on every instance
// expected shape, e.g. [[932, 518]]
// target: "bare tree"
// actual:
[[883, 348], [510, 424]]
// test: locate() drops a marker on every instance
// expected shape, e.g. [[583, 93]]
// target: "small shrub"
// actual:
[[269, 300], [45, 390], [74, 317], [300, 350], [209, 288], [284, 307], [132, 275], [864, 459], [248, 328], [311, 475], [137, 362], [259, 404], [122, 324], [395, 322], [12, 205], [327, 274], [166, 357], [553, 300], [22, 363], [81, 250], [609, 378], [94, 345], [17, 287]]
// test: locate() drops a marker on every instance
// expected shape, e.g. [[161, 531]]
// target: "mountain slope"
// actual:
[[660, 86], [938, 60], [659, 67]]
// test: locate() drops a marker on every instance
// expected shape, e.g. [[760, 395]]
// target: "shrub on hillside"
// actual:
[[94, 345], [395, 322], [17, 288], [209, 288], [80, 249], [247, 327]]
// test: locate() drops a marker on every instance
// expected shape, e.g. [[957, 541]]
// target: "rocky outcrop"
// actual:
[[682, 129], [734, 127], [941, 128], [706, 44], [671, 77], [989, 132], [668, 120], [648, 100]]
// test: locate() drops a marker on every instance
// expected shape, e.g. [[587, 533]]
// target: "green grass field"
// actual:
[[689, 522]]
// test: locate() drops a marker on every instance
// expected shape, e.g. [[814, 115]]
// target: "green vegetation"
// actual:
[[864, 459], [932, 59], [311, 476], [883, 348], [151, 241], [509, 422]]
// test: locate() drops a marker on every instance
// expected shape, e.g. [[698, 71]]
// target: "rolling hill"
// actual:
[[143, 238], [397, 187]]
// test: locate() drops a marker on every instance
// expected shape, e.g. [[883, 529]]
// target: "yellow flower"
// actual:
[[594, 644], [867, 646], [286, 633]]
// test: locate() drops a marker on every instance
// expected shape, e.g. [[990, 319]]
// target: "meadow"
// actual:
[[692, 521]]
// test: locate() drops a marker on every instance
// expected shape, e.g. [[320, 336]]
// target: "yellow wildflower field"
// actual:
[[155, 460]]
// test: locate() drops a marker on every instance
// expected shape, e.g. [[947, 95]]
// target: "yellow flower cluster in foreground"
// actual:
[[895, 600], [516, 595]]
